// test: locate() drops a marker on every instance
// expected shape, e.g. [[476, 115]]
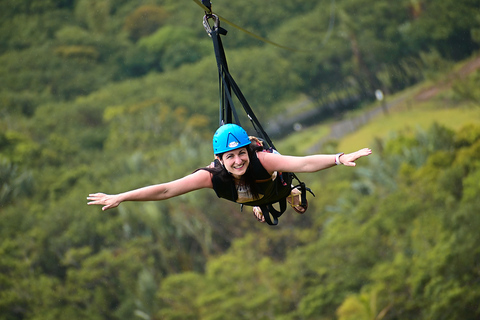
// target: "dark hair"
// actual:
[[248, 178]]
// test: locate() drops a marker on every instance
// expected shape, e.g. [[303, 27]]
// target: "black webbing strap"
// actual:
[[268, 210], [303, 196], [227, 108], [227, 84], [208, 4]]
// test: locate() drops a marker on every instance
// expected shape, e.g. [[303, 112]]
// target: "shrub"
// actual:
[[145, 21]]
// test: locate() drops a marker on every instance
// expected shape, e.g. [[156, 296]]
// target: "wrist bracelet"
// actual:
[[337, 158]]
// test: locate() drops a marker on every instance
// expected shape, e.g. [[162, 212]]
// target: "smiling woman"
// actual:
[[241, 173]]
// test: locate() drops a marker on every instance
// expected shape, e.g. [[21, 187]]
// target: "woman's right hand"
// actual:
[[108, 201]]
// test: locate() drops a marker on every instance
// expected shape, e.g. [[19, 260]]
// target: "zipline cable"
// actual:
[[208, 10], [330, 24]]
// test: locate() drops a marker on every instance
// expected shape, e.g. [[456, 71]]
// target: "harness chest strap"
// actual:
[[271, 178]]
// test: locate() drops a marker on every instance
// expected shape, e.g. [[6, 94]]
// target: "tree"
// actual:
[[443, 26], [14, 184], [144, 21]]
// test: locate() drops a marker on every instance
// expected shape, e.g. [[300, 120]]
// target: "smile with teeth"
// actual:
[[240, 166]]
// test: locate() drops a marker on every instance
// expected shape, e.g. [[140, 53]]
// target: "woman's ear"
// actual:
[[219, 159]]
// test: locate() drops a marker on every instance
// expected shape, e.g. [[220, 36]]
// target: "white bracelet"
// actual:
[[337, 158]]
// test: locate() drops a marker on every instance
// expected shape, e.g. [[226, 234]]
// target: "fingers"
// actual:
[[95, 196], [349, 159], [366, 151], [100, 199], [361, 153], [257, 212]]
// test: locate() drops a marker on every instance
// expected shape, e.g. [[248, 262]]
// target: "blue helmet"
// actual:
[[229, 137]]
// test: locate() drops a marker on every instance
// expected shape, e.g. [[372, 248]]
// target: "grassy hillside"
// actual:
[[409, 119], [449, 106]]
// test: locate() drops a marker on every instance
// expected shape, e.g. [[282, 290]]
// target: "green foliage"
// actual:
[[434, 64], [30, 28], [93, 14], [267, 80], [440, 22], [172, 46], [467, 89], [144, 21], [40, 69], [114, 95], [14, 184], [177, 294], [21, 103], [77, 52]]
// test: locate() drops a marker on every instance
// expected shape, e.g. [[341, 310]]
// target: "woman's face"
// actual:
[[236, 162]]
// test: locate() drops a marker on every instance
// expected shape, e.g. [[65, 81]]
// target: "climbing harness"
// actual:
[[228, 114]]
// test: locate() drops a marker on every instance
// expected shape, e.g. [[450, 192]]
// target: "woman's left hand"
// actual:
[[350, 158], [108, 201]]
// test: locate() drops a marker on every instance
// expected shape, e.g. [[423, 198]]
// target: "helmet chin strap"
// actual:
[[221, 162], [223, 165]]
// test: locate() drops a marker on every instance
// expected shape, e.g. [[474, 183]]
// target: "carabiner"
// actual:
[[206, 25]]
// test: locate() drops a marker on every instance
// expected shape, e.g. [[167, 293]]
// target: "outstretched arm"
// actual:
[[275, 162], [198, 180]]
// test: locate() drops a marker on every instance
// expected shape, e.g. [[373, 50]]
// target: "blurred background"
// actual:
[[107, 96]]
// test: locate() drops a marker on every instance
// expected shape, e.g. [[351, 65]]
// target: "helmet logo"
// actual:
[[233, 144]]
